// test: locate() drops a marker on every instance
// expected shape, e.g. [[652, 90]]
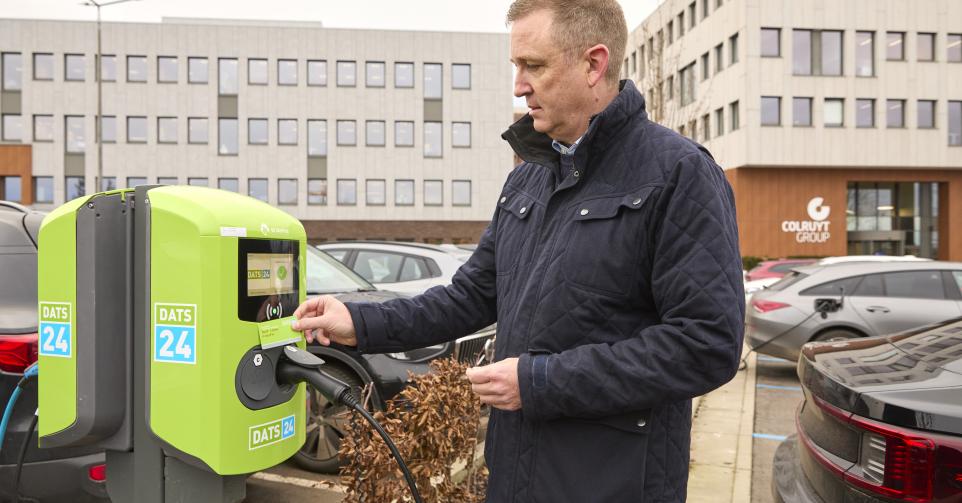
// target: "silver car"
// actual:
[[856, 299]]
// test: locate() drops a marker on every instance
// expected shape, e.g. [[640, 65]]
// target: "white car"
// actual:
[[406, 268], [871, 258]]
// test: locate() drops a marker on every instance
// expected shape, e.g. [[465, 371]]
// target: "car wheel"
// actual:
[[835, 334], [326, 425]]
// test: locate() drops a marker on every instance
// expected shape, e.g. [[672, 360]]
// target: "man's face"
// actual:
[[554, 86]]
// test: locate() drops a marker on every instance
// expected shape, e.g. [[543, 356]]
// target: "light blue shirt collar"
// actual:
[[563, 150]]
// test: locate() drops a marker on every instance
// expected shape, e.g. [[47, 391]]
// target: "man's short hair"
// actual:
[[580, 24]]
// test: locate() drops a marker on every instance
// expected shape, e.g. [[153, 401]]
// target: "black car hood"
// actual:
[[912, 379]]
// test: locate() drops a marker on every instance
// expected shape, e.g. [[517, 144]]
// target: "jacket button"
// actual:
[[577, 173], [584, 211], [503, 199], [636, 202], [524, 209], [642, 423]]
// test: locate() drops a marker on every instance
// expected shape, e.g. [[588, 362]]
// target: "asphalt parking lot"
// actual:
[[777, 396]]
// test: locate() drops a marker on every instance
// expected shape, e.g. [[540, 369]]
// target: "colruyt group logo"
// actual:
[[815, 230]]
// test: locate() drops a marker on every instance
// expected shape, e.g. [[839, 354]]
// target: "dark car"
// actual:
[[63, 474], [389, 373], [881, 421]]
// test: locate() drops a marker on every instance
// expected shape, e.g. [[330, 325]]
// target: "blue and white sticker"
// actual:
[[273, 432], [56, 329], [175, 333]]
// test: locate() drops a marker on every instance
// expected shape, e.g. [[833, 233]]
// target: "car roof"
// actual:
[[855, 268], [446, 249], [14, 237]]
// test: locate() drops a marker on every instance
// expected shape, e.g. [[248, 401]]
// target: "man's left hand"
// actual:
[[497, 384]]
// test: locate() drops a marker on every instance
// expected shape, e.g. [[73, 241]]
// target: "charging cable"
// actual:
[[31, 372], [303, 366]]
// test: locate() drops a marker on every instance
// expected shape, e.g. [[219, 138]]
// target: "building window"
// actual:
[[197, 70], [166, 130], [42, 128], [13, 71], [461, 193], [74, 132], [166, 69], [895, 46], [136, 68], [865, 113], [42, 68], [771, 111], [287, 72], [227, 76], [316, 191], [228, 184], [953, 48], [925, 113], [137, 129], [670, 31], [733, 49], [719, 58], [404, 75], [74, 187], [316, 138], [108, 131], [346, 73], [771, 42], [167, 180], [895, 114], [11, 189], [287, 191], [43, 189], [73, 67], [347, 192], [287, 131], [108, 69], [817, 52], [681, 24], [802, 52], [347, 133], [460, 134], [705, 128], [376, 193], [704, 9], [257, 72], [198, 181], [925, 50], [830, 62], [432, 139], [865, 53], [257, 131], [687, 78], [108, 183], [432, 80], [669, 93], [801, 112], [692, 20], [317, 73], [403, 134], [374, 74], [955, 123], [227, 136], [705, 70], [133, 181], [834, 112], [719, 122], [404, 192], [12, 127], [257, 188], [374, 133], [433, 193], [460, 76], [733, 113], [198, 130]]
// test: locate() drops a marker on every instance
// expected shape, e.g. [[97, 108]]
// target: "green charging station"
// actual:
[[164, 313]]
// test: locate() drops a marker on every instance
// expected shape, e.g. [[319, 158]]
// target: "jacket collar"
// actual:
[[535, 147]]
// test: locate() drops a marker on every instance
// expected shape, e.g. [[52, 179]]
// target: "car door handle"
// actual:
[[877, 309]]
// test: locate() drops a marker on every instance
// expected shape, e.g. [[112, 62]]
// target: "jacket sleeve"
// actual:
[[441, 314], [697, 289]]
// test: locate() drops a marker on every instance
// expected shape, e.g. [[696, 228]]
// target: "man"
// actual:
[[611, 266]]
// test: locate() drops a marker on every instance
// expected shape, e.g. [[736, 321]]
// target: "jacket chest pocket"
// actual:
[[514, 229], [604, 240]]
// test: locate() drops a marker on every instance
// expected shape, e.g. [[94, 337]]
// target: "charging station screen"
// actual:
[[269, 274]]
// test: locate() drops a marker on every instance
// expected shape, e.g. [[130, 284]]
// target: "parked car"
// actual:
[[326, 424], [64, 474], [870, 298], [881, 421], [775, 268], [871, 258], [408, 268]]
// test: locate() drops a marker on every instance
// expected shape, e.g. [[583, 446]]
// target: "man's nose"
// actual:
[[521, 86]]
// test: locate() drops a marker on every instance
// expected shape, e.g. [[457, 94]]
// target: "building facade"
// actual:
[[358, 133], [839, 124]]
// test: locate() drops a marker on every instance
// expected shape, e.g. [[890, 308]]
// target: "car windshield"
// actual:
[[327, 275], [18, 292], [787, 281]]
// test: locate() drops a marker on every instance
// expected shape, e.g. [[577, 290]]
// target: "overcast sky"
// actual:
[[446, 15]]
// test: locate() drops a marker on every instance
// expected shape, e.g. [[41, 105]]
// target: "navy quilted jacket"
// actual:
[[615, 276]]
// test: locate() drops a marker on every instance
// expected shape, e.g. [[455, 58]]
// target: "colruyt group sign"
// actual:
[[814, 230]]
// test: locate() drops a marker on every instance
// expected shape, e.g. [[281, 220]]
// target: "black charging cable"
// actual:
[[303, 366], [22, 457]]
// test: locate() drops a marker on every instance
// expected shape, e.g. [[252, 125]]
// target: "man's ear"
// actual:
[[597, 57]]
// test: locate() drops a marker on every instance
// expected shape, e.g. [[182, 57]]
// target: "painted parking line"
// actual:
[[296, 481], [785, 388], [769, 436], [763, 358]]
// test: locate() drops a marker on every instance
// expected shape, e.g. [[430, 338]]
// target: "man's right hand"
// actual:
[[326, 319]]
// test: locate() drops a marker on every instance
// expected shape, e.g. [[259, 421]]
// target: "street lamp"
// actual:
[[98, 126]]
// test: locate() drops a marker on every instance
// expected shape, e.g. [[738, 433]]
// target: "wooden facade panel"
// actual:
[[17, 160]]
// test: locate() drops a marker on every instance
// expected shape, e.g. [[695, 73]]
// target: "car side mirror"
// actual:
[[825, 306]]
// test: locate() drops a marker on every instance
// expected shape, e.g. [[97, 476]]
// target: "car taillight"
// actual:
[[899, 463], [17, 352], [97, 473], [764, 306]]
